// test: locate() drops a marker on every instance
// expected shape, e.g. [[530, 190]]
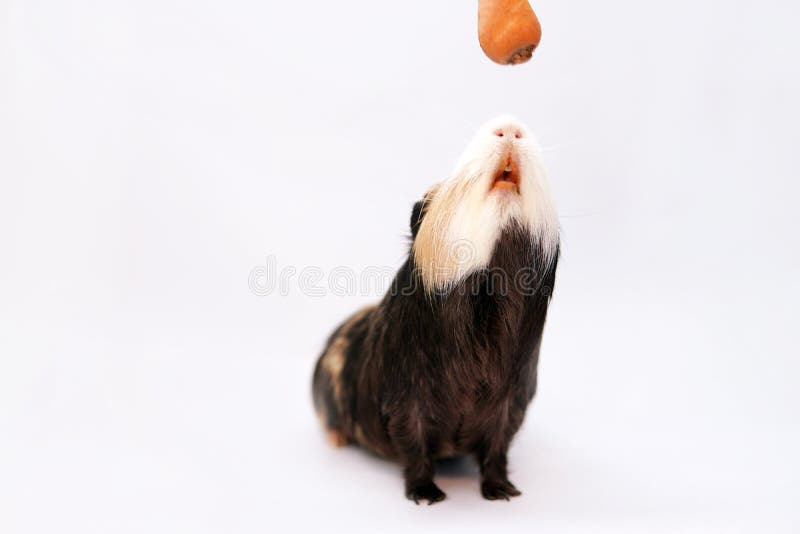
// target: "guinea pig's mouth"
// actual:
[[506, 177]]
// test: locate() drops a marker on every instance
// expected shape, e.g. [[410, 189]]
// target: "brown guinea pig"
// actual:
[[445, 364]]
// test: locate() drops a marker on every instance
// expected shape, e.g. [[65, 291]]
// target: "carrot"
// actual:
[[508, 30]]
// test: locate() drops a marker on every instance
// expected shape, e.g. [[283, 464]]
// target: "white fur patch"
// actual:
[[465, 215]]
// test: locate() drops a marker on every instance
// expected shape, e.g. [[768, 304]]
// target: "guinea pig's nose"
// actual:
[[508, 131]]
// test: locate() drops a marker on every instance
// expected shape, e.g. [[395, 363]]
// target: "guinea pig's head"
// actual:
[[499, 182]]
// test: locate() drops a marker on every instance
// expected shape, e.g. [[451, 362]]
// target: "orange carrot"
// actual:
[[508, 30]]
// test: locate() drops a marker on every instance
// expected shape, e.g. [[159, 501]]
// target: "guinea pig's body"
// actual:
[[446, 363]]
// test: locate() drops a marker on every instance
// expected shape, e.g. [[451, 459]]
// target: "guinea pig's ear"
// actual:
[[417, 213], [420, 209]]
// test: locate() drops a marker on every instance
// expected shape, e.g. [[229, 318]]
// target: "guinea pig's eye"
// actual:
[[499, 133]]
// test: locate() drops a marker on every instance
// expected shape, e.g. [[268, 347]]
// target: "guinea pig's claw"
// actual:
[[427, 491], [499, 489]]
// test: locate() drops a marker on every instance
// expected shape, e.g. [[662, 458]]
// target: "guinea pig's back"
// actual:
[[331, 389]]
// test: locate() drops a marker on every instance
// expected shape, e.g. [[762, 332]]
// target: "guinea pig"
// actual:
[[446, 364]]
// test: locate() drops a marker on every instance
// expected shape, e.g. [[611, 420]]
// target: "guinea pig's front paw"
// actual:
[[425, 491], [495, 489]]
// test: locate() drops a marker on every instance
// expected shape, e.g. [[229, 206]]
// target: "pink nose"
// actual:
[[508, 131]]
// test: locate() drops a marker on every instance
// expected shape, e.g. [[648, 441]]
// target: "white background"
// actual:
[[153, 153]]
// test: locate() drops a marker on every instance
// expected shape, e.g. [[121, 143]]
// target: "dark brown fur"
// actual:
[[429, 376]]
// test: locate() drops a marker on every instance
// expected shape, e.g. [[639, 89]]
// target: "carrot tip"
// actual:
[[522, 55]]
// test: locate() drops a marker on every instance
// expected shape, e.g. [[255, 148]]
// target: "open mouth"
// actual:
[[507, 176]]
